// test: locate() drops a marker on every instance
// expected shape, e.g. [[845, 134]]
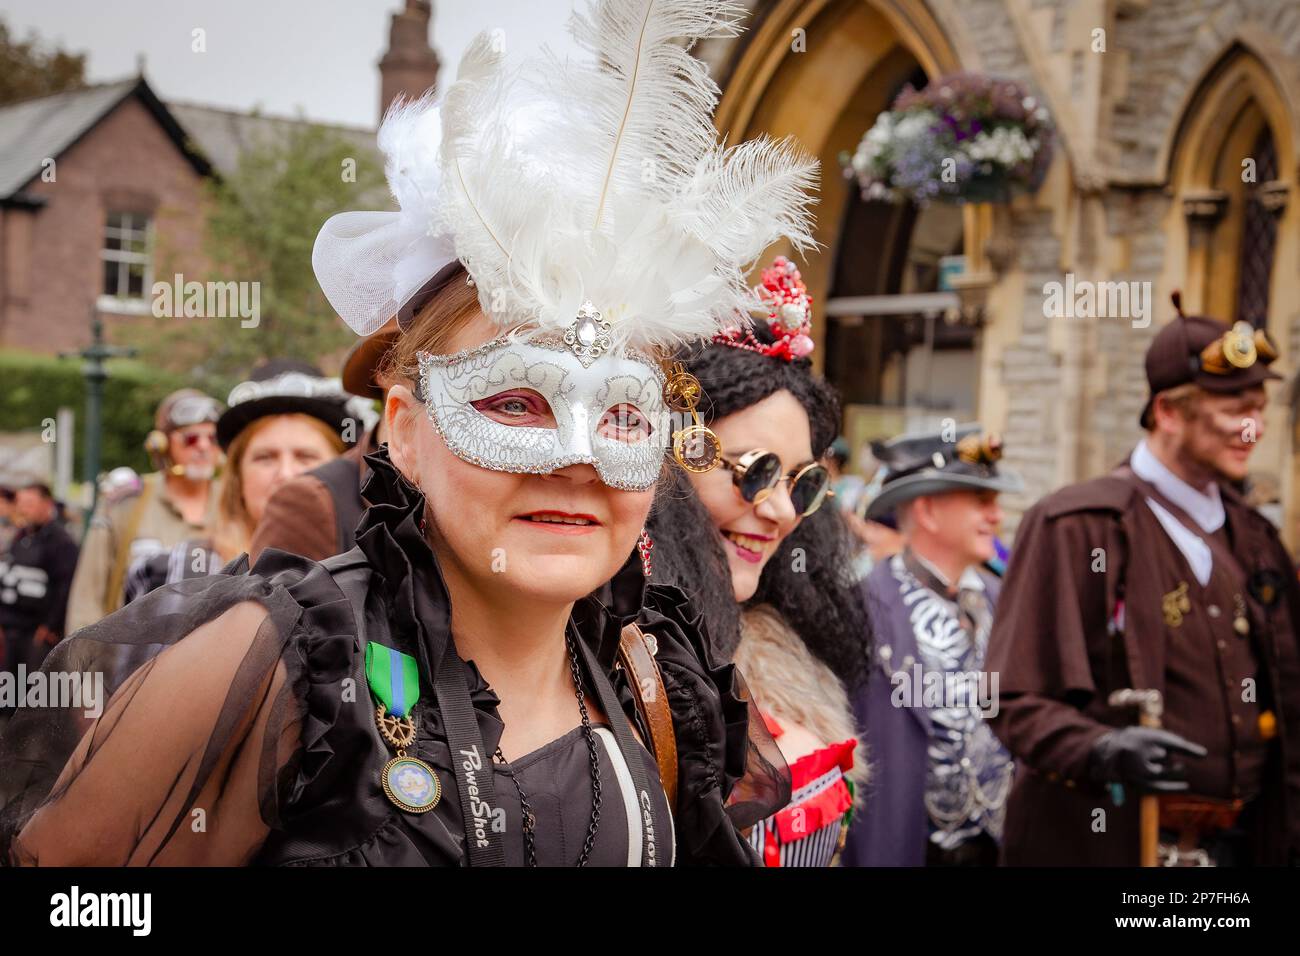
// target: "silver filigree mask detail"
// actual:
[[609, 412]]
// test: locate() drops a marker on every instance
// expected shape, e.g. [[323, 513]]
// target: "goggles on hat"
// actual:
[[980, 449], [1238, 348], [192, 410]]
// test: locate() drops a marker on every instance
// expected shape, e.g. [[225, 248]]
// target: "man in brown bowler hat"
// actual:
[[1157, 577]]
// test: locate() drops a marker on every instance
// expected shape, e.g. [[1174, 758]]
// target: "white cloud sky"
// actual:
[[319, 57]]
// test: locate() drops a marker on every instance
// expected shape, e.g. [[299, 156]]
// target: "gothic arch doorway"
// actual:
[[1232, 168], [821, 71]]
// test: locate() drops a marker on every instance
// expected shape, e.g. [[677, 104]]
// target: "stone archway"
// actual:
[[820, 71]]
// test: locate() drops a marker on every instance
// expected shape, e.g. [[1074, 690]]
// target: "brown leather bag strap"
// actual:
[[636, 651]]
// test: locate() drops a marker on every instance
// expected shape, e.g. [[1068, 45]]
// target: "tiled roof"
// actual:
[[222, 135], [35, 130]]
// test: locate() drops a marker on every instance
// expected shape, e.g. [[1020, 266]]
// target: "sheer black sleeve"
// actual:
[[186, 743]]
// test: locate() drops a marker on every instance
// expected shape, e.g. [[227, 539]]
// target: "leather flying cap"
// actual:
[[928, 464], [1204, 350], [185, 406]]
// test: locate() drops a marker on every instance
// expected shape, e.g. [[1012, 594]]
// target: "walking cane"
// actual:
[[1150, 708]]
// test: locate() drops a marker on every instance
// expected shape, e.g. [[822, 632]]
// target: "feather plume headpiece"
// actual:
[[570, 187]]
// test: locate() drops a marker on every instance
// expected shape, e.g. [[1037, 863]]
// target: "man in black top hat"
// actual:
[[1146, 637], [941, 777]]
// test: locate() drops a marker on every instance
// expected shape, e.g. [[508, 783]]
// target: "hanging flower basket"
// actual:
[[963, 138]]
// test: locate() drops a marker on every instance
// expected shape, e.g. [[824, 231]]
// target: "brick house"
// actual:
[[91, 183], [102, 191]]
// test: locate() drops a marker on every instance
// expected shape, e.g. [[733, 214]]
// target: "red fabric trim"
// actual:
[[773, 728], [827, 807], [811, 766]]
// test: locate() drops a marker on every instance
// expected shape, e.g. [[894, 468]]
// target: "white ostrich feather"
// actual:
[[562, 182], [409, 129]]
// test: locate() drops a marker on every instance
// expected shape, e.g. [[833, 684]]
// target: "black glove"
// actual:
[[1142, 757]]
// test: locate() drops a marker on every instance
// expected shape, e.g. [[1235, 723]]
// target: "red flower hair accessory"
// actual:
[[789, 315]]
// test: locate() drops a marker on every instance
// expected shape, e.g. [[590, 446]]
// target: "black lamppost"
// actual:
[[95, 374]]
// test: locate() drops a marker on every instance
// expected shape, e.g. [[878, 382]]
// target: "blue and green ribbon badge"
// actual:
[[394, 678]]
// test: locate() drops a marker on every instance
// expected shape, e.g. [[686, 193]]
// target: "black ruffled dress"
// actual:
[[236, 727]]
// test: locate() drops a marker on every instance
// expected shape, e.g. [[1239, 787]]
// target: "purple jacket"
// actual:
[[892, 827]]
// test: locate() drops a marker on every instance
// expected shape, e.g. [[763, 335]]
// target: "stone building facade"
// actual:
[[1161, 107]]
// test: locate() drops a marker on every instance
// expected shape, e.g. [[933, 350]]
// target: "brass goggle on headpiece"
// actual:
[[980, 449], [1240, 347]]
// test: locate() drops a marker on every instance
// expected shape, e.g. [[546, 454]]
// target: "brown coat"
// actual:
[[1077, 553]]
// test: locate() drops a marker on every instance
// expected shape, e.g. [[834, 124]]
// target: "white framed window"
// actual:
[[128, 244]]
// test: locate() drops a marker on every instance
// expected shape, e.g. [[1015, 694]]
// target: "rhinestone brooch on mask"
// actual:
[[588, 336]]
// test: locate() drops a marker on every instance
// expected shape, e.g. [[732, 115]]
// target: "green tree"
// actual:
[[28, 70], [261, 223]]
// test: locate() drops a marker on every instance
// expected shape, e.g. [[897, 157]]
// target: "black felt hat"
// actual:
[[930, 464], [289, 387]]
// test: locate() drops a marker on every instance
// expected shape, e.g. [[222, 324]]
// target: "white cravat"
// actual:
[[969, 580], [1203, 507]]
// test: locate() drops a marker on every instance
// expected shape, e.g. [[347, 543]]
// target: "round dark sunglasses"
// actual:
[[758, 472]]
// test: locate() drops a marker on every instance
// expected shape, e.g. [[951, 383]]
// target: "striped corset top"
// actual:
[[810, 830]]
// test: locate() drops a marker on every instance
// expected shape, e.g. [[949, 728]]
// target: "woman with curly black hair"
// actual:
[[770, 566]]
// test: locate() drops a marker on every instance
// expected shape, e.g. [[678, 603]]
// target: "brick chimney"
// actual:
[[409, 66]]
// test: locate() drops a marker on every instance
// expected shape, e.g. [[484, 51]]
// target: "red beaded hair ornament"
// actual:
[[789, 315]]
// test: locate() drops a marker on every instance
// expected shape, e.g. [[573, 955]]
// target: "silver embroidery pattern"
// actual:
[[969, 772], [578, 397]]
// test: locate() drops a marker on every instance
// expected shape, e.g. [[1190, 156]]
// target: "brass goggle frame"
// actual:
[[695, 447], [982, 449], [741, 467], [1238, 348]]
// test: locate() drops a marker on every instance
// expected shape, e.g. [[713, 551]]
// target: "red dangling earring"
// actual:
[[645, 545]]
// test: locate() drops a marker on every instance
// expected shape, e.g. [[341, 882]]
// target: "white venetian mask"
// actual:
[[608, 413]]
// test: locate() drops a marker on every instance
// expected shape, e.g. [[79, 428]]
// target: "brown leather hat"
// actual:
[[364, 359], [185, 406], [1200, 349]]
